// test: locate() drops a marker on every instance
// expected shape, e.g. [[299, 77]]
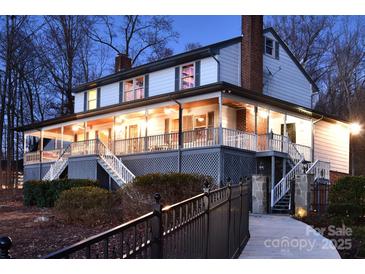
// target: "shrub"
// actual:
[[88, 204], [347, 198], [45, 193], [138, 196]]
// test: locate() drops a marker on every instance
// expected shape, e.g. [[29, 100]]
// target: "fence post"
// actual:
[[5, 245], [206, 190], [156, 226], [240, 220], [229, 196]]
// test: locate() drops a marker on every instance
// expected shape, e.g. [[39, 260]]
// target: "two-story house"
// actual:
[[235, 108]]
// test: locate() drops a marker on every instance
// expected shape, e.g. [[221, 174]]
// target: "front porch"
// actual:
[[210, 122], [169, 142]]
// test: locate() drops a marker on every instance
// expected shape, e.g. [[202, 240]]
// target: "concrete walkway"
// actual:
[[282, 237]]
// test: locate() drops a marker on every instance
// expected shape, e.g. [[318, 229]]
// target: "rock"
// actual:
[[41, 219]]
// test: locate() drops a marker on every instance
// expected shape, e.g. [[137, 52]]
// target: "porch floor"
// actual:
[[282, 237]]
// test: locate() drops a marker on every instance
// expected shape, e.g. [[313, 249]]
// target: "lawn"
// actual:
[[35, 232]]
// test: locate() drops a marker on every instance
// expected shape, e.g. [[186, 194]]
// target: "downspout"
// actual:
[[313, 123], [180, 134], [40, 154], [213, 55]]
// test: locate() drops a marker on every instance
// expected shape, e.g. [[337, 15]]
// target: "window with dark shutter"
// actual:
[[177, 78], [85, 101], [146, 85], [121, 92], [98, 95], [197, 73], [276, 50]]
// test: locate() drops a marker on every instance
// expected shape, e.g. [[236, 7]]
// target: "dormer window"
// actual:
[[91, 99], [187, 76], [134, 89], [271, 48]]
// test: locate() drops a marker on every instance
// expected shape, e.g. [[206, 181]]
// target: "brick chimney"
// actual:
[[251, 52], [122, 62]]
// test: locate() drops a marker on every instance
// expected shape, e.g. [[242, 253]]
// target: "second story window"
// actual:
[[91, 99], [269, 46], [187, 76], [134, 89]]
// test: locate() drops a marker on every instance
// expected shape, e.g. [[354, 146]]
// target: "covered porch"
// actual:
[[215, 119]]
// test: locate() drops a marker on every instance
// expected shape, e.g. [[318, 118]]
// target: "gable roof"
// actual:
[[171, 61], [291, 55]]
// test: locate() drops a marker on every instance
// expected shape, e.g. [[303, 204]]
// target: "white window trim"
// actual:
[[88, 100], [273, 48], [134, 87], [180, 76]]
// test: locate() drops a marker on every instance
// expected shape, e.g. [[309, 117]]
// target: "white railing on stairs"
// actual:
[[123, 173], [57, 167], [283, 186], [320, 169]]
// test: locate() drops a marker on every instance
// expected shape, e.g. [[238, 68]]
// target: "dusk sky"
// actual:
[[205, 29]]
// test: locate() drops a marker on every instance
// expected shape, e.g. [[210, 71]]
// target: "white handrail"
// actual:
[[57, 167], [281, 188], [320, 169], [123, 173]]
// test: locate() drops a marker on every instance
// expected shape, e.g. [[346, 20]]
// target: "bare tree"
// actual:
[[60, 47], [141, 38], [309, 38], [192, 46]]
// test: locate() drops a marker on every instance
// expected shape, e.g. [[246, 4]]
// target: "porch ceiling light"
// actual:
[[75, 127], [168, 111], [355, 128]]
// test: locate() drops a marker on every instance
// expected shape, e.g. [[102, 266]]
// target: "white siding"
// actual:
[[109, 94], [79, 102], [230, 64], [331, 143], [208, 71], [287, 83], [162, 81]]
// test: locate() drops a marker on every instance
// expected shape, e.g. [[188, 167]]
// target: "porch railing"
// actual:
[[204, 137], [32, 157], [213, 224], [169, 141], [239, 139], [82, 148], [320, 169], [200, 137], [306, 151]]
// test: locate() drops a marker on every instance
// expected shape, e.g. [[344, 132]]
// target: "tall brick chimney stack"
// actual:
[[122, 62], [251, 52]]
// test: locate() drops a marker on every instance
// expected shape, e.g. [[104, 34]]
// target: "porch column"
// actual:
[[284, 167], [181, 141], [41, 155], [180, 126], [272, 172], [146, 130], [114, 135], [220, 128], [61, 137]]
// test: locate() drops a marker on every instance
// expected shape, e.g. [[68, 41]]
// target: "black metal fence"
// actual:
[[319, 197], [213, 224]]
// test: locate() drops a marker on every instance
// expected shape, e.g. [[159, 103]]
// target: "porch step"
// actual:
[[282, 207], [111, 172]]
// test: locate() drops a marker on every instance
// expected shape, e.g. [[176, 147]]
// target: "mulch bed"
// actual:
[[36, 232]]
